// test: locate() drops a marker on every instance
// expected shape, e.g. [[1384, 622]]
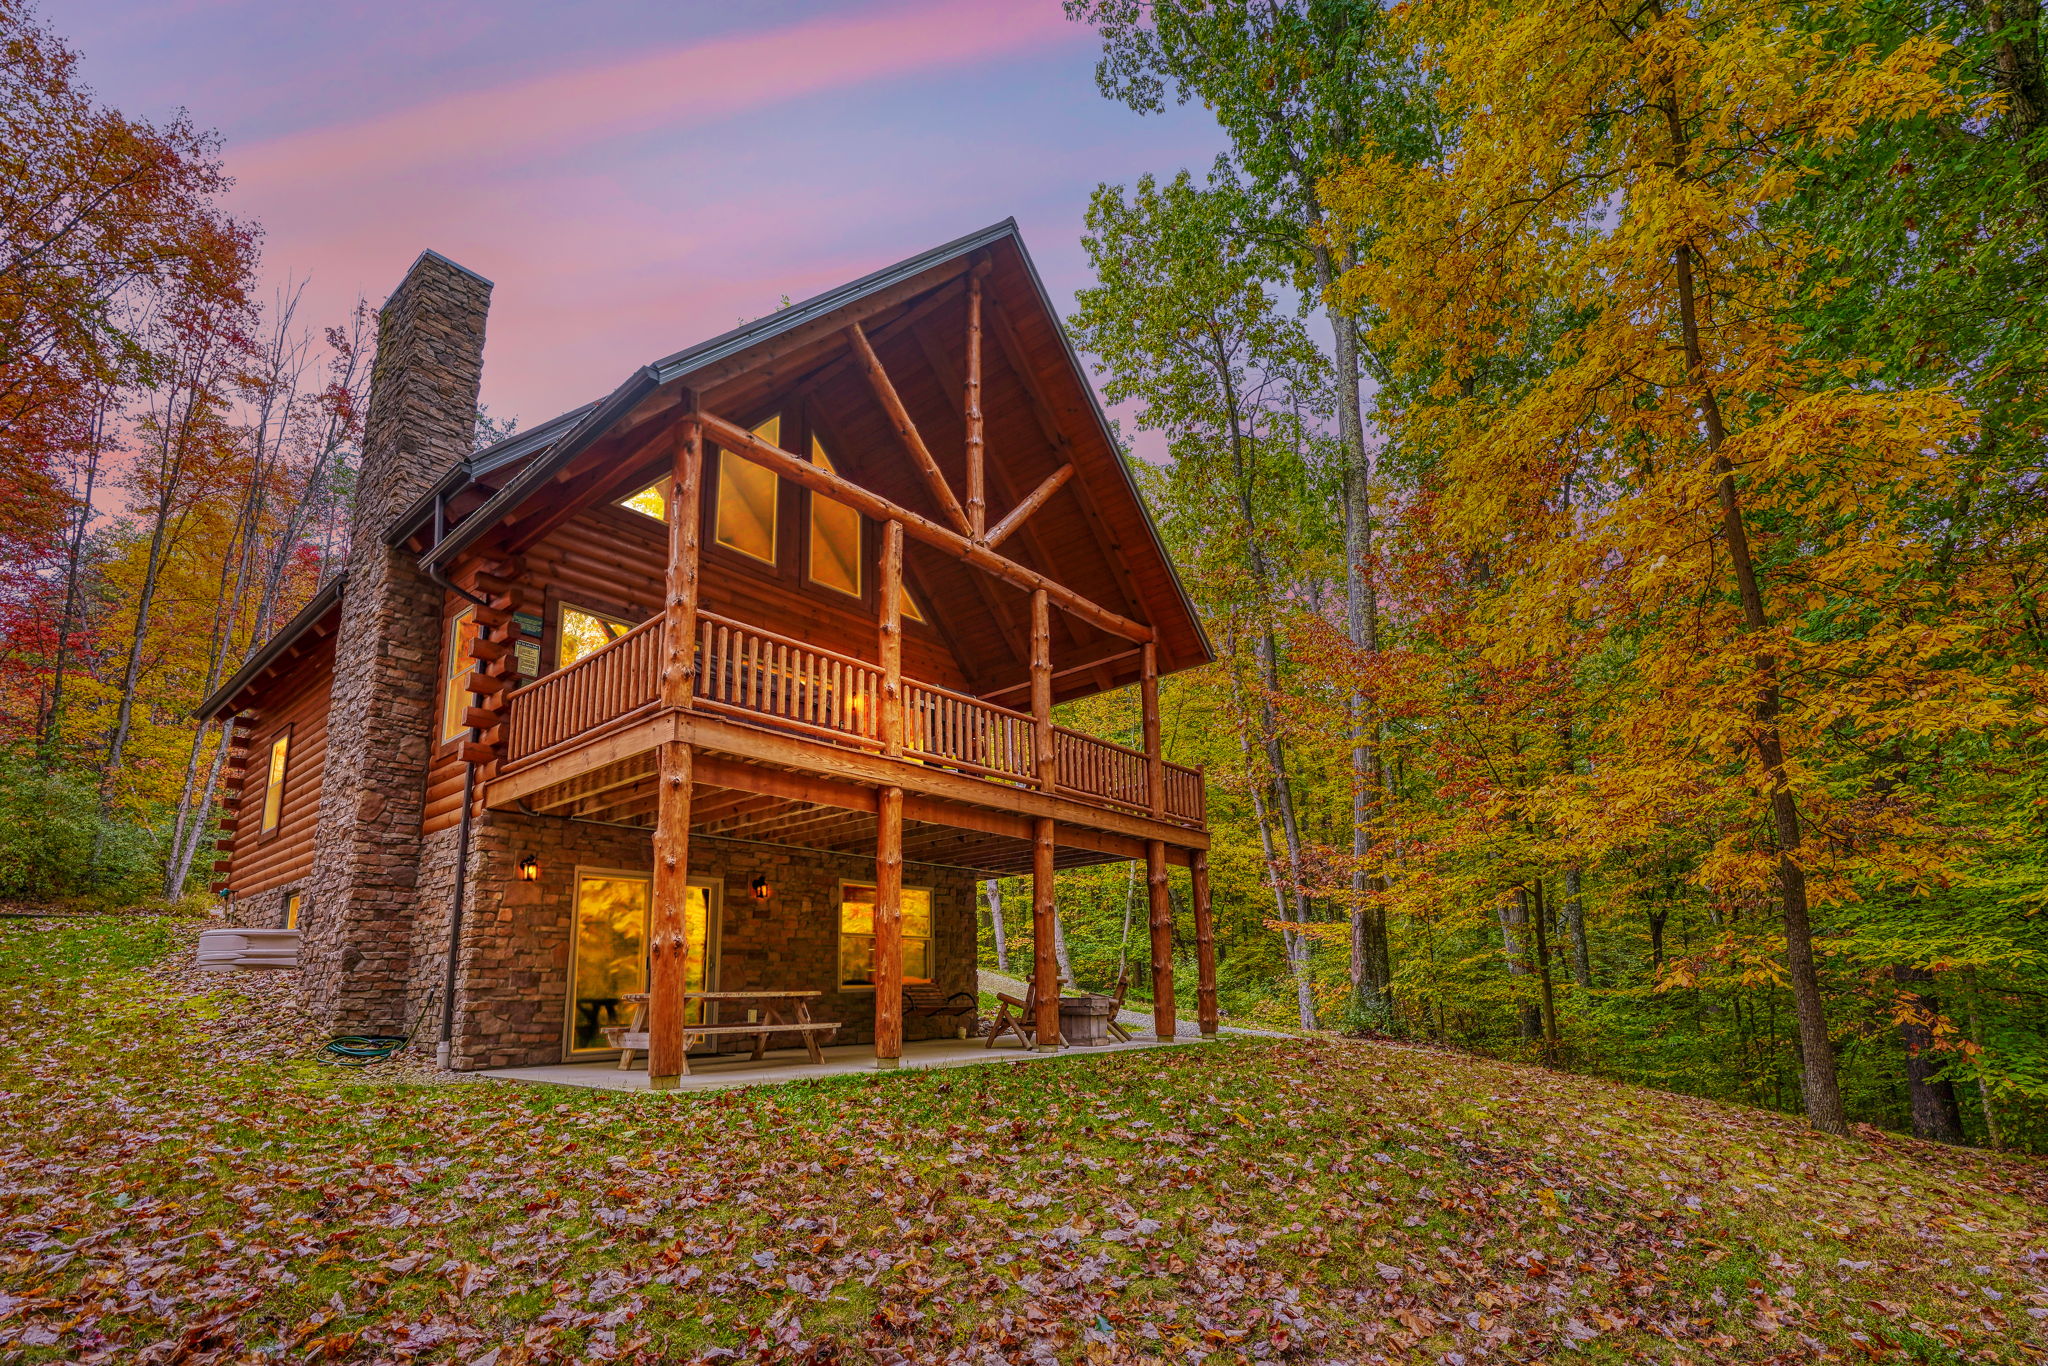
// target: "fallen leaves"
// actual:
[[1255, 1201]]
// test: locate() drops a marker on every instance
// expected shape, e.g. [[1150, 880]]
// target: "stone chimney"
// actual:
[[362, 895]]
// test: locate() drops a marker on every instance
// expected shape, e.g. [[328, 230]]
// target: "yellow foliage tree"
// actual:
[[1589, 298]]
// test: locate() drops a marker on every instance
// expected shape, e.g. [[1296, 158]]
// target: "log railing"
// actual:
[[746, 671], [1186, 799], [617, 677], [1099, 769], [758, 675], [958, 731]]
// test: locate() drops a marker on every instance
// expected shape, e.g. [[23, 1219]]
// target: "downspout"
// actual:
[[444, 1050]]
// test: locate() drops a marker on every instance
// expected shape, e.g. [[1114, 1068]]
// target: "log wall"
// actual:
[[283, 856]]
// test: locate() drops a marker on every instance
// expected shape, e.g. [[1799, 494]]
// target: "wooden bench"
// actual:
[[929, 1000], [632, 1038]]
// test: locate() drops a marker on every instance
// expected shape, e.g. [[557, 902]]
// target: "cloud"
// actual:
[[520, 121]]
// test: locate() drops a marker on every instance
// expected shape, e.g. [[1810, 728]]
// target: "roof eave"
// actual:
[[1208, 648], [321, 603]]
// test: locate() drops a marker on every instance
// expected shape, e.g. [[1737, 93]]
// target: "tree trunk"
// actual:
[[1371, 964], [994, 890], [1514, 918], [1297, 956], [1539, 922], [1991, 1135], [1818, 1081], [53, 727], [1936, 1115], [1059, 945], [1575, 926], [2014, 26]]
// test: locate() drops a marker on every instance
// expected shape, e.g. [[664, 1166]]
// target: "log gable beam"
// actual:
[[741, 442], [899, 417]]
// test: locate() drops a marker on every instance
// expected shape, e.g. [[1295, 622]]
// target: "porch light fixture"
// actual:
[[529, 869], [759, 887]]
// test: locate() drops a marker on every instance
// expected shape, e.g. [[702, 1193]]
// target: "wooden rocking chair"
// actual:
[[1024, 1021], [1123, 985]]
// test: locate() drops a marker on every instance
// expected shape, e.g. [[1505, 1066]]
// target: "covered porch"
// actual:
[[780, 1067]]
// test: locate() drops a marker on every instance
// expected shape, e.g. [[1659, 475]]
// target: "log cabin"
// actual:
[[739, 677]]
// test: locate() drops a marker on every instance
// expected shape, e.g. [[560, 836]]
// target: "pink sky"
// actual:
[[633, 176]]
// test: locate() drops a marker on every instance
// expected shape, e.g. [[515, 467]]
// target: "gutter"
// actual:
[[444, 1050]]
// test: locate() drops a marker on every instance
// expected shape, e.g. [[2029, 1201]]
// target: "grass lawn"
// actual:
[[167, 1197]]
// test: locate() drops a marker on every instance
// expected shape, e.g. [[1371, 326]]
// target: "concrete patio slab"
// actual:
[[782, 1066]]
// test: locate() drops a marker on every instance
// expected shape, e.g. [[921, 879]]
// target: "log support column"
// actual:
[[977, 488], [1045, 963], [1164, 1024], [889, 605], [1205, 943], [1155, 757], [679, 608], [1041, 692], [888, 968], [668, 940]]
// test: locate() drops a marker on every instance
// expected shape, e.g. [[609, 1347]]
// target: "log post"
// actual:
[[890, 603], [679, 612], [888, 969], [1045, 963], [1164, 1024], [668, 941], [1205, 943], [1041, 691], [1155, 759], [977, 492], [899, 417]]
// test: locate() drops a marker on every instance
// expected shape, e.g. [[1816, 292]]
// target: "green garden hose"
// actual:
[[360, 1050]]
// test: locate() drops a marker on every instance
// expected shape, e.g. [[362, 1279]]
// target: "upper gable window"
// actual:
[[651, 501], [835, 536], [747, 495], [585, 633]]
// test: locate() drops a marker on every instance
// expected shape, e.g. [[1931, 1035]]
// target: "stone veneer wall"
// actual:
[[264, 910], [514, 983], [357, 943]]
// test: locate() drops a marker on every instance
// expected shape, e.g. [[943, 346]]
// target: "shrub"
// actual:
[[55, 843]]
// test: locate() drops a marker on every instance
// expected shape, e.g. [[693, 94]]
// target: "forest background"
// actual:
[[1604, 442]]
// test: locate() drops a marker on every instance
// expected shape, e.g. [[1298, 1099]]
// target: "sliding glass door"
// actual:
[[608, 961]]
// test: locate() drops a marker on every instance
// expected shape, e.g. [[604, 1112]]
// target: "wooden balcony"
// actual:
[[773, 682]]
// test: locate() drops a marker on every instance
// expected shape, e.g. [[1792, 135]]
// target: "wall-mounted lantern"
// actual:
[[529, 869], [760, 889]]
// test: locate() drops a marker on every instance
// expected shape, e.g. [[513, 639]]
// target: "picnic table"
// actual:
[[773, 1007]]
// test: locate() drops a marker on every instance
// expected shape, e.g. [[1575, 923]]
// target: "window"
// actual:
[[649, 502], [910, 605], [747, 495], [291, 911], [857, 934], [609, 958], [583, 633], [455, 697], [835, 536], [273, 783]]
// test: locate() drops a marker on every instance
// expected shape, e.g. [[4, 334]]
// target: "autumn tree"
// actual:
[[1298, 87]]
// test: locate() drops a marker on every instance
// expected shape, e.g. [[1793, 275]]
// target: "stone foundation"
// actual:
[[263, 910]]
